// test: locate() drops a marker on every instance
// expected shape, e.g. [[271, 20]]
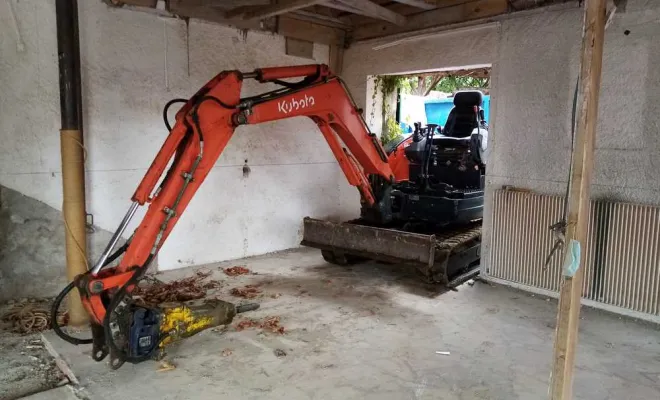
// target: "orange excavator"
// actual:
[[421, 202]]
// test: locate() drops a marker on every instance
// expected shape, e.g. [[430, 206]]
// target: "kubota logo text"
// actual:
[[286, 106]]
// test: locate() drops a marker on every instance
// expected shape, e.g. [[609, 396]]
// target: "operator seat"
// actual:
[[462, 119], [465, 124]]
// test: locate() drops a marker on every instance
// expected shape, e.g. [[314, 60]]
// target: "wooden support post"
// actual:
[[568, 317]]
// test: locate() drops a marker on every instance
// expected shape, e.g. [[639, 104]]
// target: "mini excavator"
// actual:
[[421, 201]]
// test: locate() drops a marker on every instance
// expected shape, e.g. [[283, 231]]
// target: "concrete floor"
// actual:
[[26, 367], [372, 332]]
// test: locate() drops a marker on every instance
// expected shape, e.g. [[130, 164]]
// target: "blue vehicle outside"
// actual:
[[437, 111]]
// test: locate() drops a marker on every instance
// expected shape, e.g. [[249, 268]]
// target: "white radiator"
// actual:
[[622, 253]]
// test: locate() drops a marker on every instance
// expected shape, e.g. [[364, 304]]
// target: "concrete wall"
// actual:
[[32, 259], [132, 64], [535, 76], [535, 66]]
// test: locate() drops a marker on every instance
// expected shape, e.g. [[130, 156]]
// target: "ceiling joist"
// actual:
[[464, 12], [368, 8], [261, 12], [327, 21], [424, 5], [320, 19]]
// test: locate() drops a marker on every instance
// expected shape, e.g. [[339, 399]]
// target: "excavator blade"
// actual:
[[450, 256]]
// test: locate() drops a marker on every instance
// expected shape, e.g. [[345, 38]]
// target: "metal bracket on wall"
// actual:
[[89, 223]]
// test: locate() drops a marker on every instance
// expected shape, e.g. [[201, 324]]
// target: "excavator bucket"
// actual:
[[450, 257]]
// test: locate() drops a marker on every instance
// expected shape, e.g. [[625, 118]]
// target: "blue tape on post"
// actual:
[[572, 260]]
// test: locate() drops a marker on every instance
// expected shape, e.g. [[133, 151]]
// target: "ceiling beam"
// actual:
[[472, 10], [366, 7], [213, 14], [261, 12], [289, 26], [320, 19], [424, 5]]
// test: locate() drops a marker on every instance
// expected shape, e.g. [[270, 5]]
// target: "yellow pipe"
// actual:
[[73, 210]]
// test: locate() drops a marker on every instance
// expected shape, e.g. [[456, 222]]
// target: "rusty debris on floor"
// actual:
[[271, 324], [191, 288], [246, 324], [246, 292], [236, 270]]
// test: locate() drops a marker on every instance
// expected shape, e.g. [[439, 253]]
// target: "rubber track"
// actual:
[[458, 236]]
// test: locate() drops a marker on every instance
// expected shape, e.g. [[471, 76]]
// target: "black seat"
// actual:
[[462, 119]]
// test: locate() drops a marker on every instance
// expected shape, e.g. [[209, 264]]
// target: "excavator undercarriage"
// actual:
[[421, 201], [435, 205], [448, 256]]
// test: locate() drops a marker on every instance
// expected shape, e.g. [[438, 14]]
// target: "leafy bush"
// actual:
[[393, 134]]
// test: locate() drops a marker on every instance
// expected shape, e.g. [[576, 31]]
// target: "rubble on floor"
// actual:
[[152, 292]]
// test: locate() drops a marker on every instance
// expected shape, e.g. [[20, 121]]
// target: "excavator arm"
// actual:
[[203, 127]]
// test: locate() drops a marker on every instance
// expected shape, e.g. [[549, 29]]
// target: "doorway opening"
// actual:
[[395, 102]]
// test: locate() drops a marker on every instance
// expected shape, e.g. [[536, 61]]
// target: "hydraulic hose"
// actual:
[[55, 308], [53, 318], [166, 109]]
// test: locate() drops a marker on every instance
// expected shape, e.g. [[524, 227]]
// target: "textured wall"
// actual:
[[32, 259], [132, 64], [534, 77]]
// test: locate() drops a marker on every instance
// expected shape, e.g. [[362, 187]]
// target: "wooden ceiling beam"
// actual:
[[261, 12], [320, 19], [368, 8], [471, 10], [424, 5], [213, 14], [289, 26]]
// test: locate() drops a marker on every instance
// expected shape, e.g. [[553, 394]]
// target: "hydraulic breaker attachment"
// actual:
[[441, 257], [146, 331]]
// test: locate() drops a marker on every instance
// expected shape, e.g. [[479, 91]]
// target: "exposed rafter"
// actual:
[[261, 12], [320, 21], [320, 18], [474, 9], [424, 5], [366, 7]]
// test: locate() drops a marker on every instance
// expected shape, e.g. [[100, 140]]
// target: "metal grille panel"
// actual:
[[622, 250]]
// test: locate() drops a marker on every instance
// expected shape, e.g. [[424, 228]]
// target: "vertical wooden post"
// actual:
[[568, 317]]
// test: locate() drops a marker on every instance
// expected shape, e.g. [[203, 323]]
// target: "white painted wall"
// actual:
[[132, 64], [535, 65]]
